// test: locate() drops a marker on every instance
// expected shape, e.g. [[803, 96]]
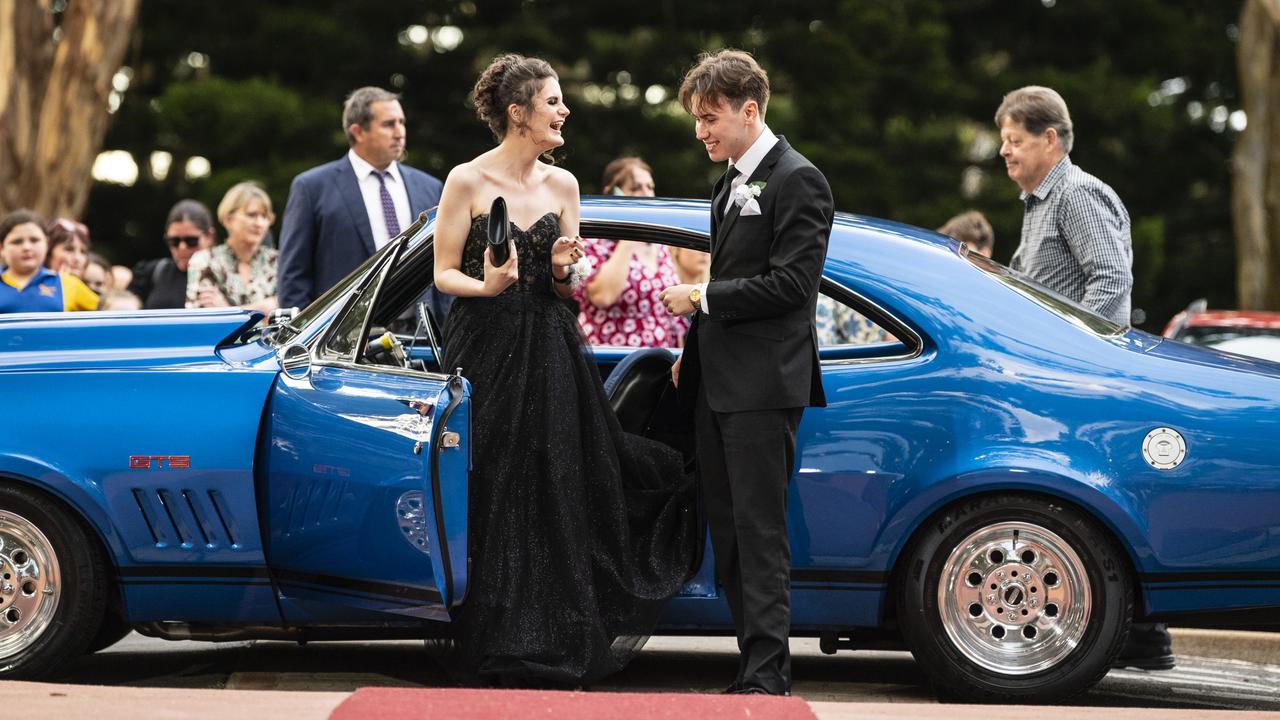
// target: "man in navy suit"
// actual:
[[338, 214]]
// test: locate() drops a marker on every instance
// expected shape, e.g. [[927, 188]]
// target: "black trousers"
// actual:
[[744, 466]]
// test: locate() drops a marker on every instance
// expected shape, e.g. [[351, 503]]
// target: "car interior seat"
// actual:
[[643, 398]]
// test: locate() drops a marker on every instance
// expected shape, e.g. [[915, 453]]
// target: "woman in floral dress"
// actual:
[[619, 303], [241, 271]]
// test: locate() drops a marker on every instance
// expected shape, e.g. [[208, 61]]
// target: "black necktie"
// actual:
[[717, 206]]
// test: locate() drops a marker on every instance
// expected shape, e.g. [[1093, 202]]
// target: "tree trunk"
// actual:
[[1255, 197], [53, 98]]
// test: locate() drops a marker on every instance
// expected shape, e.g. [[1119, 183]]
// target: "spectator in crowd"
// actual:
[[1075, 229], [162, 283], [1075, 241], [68, 246], [693, 267], [26, 285], [619, 303], [973, 231], [117, 299], [97, 274], [241, 271], [121, 276], [339, 213]]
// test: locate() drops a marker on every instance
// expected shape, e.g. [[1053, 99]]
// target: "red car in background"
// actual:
[[1253, 333]]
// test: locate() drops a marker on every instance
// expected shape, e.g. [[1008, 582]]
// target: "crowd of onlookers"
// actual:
[[49, 265]]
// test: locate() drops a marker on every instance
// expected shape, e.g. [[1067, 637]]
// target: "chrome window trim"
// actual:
[[915, 348]]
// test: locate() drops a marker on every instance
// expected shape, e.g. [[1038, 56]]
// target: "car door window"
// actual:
[[348, 334]]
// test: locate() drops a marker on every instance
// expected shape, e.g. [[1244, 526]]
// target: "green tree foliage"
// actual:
[[892, 99]]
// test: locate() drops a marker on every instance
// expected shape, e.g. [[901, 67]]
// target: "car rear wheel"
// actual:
[[52, 585], [1014, 598]]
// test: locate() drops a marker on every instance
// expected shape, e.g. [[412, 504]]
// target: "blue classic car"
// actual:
[[1002, 482]]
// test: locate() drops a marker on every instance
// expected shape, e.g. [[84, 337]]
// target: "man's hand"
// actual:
[[676, 299], [675, 371]]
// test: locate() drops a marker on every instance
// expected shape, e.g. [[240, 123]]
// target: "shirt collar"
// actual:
[[41, 273], [363, 168], [754, 155], [1050, 180]]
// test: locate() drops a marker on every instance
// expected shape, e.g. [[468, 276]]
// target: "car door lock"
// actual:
[[450, 439]]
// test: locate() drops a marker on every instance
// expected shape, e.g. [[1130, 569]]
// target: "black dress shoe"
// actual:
[[733, 688], [755, 690], [1149, 647]]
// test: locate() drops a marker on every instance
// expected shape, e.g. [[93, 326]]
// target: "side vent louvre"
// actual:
[[187, 518]]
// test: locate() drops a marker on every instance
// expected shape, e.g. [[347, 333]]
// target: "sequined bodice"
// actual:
[[533, 248]]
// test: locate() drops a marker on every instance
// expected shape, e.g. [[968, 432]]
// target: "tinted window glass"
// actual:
[[839, 324]]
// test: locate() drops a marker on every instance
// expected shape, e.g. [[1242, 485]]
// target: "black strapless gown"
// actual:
[[579, 531]]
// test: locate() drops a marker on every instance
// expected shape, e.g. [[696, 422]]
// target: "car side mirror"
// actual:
[[295, 361], [281, 315]]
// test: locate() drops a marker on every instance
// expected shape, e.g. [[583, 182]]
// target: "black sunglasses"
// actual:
[[188, 240]]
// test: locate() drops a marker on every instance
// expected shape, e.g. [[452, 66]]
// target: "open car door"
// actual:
[[364, 483]]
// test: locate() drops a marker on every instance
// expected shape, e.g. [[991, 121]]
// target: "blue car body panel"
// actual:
[[304, 503]]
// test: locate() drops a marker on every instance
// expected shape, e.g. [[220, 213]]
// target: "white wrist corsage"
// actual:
[[578, 273], [744, 196]]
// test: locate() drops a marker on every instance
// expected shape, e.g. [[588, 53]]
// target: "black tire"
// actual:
[[72, 614], [966, 645], [112, 630]]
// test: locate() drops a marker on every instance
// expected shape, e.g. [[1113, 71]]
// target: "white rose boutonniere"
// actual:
[[744, 196]]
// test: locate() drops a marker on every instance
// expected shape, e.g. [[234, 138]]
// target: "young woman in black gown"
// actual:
[[579, 531]]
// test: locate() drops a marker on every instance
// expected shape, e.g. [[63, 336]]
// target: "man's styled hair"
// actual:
[[358, 108], [730, 75], [1037, 109]]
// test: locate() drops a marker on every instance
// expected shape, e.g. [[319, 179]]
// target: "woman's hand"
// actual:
[[211, 297], [499, 278], [566, 250]]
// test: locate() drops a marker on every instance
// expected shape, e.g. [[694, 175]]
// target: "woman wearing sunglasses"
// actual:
[[162, 283]]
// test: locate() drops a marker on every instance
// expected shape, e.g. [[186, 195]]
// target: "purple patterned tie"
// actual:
[[388, 207]]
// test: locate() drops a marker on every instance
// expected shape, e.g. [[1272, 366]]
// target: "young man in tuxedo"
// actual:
[[750, 364]]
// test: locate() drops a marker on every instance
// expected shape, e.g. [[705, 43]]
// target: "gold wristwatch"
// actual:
[[695, 298]]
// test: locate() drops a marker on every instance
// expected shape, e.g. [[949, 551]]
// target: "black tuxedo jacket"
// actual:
[[326, 231], [758, 348]]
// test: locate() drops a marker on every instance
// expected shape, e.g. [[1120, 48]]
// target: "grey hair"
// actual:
[[358, 108], [1037, 109]]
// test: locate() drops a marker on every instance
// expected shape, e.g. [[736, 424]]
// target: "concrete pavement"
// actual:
[[194, 681], [91, 702]]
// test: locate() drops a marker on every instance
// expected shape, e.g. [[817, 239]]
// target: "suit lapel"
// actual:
[[715, 193], [349, 187], [762, 172]]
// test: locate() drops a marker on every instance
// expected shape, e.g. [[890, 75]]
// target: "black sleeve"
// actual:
[[140, 285]]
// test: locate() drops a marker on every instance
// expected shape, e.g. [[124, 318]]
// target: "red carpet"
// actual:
[[413, 704]]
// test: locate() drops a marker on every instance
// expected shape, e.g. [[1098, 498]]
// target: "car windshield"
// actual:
[[322, 304], [1059, 305]]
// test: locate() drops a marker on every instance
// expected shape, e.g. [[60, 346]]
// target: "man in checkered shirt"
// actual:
[[1075, 241], [1075, 230]]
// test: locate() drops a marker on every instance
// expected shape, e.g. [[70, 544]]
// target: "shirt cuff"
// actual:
[[702, 304]]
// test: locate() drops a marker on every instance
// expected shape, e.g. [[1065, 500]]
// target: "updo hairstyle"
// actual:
[[510, 79]]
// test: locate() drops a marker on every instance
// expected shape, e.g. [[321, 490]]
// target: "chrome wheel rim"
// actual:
[[1014, 598], [30, 583]]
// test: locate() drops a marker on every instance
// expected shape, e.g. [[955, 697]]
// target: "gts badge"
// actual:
[[159, 462]]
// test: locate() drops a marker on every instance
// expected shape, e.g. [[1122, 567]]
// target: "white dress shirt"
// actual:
[[746, 165], [371, 192]]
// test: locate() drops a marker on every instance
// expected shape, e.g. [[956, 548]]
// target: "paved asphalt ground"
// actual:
[[849, 684]]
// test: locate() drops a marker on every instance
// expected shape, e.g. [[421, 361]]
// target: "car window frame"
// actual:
[[907, 336]]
